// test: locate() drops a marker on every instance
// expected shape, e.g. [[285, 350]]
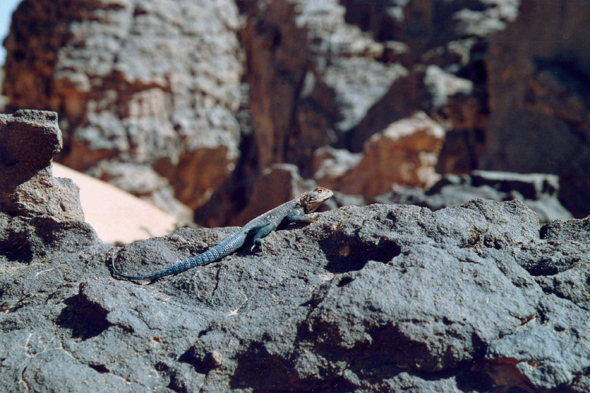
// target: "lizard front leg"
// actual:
[[262, 232], [298, 215]]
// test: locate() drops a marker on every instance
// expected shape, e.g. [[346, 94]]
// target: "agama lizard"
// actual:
[[292, 211]]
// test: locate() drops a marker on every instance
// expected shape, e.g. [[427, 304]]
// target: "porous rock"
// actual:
[[383, 297]]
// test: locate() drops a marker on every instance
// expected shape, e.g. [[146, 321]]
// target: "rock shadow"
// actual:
[[83, 318], [352, 254]]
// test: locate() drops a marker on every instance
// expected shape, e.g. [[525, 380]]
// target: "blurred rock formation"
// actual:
[[145, 90], [189, 105], [539, 73]]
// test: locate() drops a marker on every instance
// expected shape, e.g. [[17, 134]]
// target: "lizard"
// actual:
[[296, 210]]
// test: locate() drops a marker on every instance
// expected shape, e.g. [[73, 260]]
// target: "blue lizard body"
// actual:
[[292, 211]]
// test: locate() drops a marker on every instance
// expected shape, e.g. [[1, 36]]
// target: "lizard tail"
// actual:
[[199, 260]]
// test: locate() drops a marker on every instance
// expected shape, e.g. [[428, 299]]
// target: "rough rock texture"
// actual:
[[148, 85], [378, 298], [149, 92], [319, 83], [38, 213], [539, 97], [405, 153], [537, 191], [28, 142], [444, 46]]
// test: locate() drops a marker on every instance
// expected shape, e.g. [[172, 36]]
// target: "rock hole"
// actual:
[[83, 318], [201, 364], [345, 281], [100, 368], [353, 254], [543, 270]]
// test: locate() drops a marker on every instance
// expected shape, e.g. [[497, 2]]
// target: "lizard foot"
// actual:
[[257, 243]]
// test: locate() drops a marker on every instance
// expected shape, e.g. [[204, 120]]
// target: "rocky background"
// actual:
[[218, 110], [200, 106]]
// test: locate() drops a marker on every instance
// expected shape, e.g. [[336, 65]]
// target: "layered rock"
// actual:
[[147, 91], [149, 85], [313, 77], [448, 39]]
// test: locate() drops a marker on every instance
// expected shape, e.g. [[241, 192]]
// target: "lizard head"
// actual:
[[313, 199]]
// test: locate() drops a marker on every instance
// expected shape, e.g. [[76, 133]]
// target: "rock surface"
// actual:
[[39, 214], [326, 72], [28, 142], [151, 96], [384, 297]]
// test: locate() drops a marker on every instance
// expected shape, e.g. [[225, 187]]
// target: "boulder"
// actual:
[[321, 74], [38, 212], [540, 114], [405, 153]]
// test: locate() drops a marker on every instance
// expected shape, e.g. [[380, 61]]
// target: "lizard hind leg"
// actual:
[[262, 232]]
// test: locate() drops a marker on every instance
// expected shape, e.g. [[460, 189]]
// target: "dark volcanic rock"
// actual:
[[384, 297], [28, 142]]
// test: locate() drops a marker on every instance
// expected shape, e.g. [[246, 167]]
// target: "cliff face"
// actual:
[[378, 298], [146, 91]]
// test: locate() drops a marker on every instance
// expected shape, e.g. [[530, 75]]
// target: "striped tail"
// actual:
[[214, 254]]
